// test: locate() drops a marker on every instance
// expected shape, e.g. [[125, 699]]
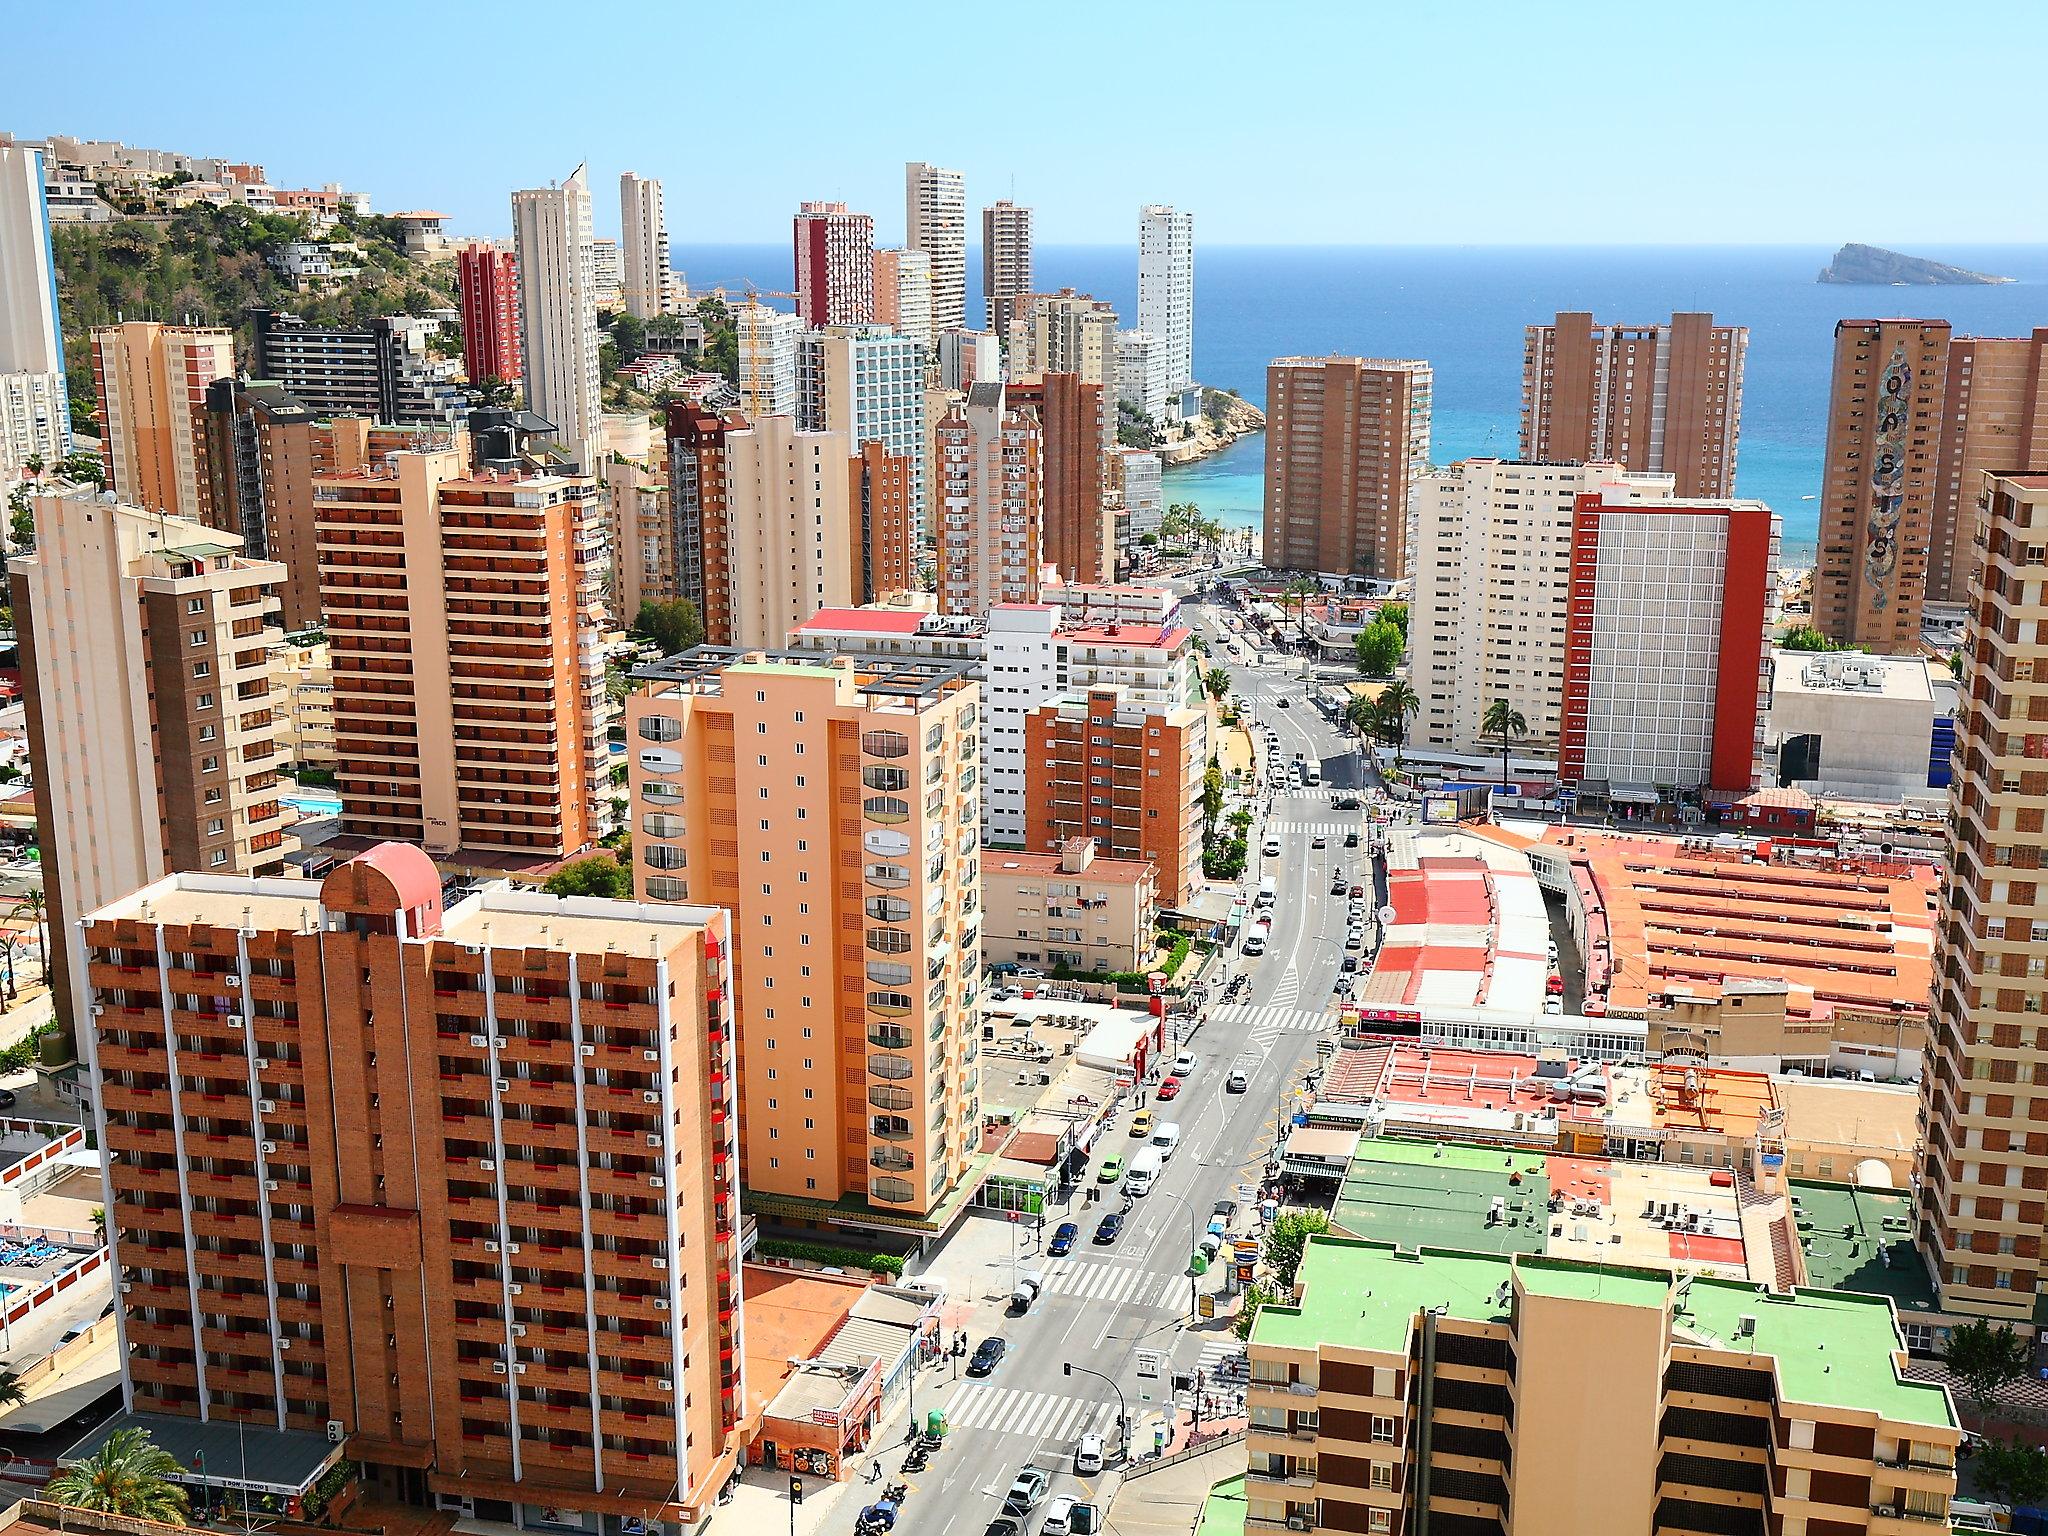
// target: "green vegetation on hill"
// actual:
[[209, 266]]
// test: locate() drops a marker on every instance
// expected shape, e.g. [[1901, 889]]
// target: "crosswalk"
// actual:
[[1222, 1360], [1316, 829], [1020, 1411], [1277, 1018], [1117, 1284]]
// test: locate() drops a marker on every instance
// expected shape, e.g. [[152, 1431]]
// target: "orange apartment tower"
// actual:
[[1878, 485], [990, 502], [462, 613], [832, 805], [880, 496], [1982, 1213], [1994, 418], [152, 382], [1347, 440], [699, 490], [1079, 530], [458, 1186], [1655, 399], [1128, 777]]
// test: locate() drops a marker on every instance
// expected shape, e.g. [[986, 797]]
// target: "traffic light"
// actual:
[[796, 1489]]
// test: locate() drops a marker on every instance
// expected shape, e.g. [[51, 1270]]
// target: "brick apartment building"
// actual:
[[458, 1185], [1126, 776]]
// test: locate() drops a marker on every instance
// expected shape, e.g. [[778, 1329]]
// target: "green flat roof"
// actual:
[[1365, 1295], [1419, 1194], [1223, 1510], [1833, 1348], [1570, 1281], [1862, 1240]]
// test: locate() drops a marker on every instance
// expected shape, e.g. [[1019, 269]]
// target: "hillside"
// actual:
[[1870, 264], [210, 266]]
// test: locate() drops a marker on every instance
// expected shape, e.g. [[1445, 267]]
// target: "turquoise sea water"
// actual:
[[1464, 308]]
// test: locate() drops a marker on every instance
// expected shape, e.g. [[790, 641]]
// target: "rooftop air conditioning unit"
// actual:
[[336, 1431], [657, 1182], [269, 1146], [271, 1185], [589, 1050], [231, 980], [266, 1106], [654, 1138], [1745, 1326], [659, 1261], [517, 1289], [499, 1042], [490, 1246], [665, 1384], [262, 1063], [471, 949]]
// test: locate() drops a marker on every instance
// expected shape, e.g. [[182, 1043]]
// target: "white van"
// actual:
[[1059, 1514], [1255, 941], [1312, 774], [1269, 893], [1166, 1137], [1143, 1170]]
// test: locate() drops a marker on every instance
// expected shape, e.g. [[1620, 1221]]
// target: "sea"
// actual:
[[1463, 308]]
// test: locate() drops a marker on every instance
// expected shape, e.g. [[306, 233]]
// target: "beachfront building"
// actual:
[[935, 222], [1166, 299], [1005, 260], [1655, 399], [1878, 488], [835, 265], [1347, 441], [1994, 418]]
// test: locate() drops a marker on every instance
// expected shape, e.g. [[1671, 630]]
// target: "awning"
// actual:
[[286, 1462]]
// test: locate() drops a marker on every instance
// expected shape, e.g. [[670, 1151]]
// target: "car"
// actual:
[[1355, 939], [1004, 995], [1346, 803], [1553, 1005], [1088, 1453], [1027, 1492], [6, 1098], [1271, 848], [1111, 1170], [1110, 1227], [1141, 1123], [1285, 702], [1184, 1064], [1351, 838], [1358, 892], [1170, 1089], [1059, 1514], [987, 1356], [1319, 842], [1063, 1237], [1338, 887], [1004, 1525], [1350, 964], [1028, 973], [1554, 986]]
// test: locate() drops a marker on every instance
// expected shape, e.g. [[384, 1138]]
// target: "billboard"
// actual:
[[1453, 804]]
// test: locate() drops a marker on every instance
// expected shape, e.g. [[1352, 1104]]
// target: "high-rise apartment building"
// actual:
[[1994, 418], [935, 222], [698, 491], [144, 643], [835, 265], [1981, 1219], [990, 503], [1141, 475], [643, 533], [464, 610], [1668, 643], [1077, 525], [790, 536], [1878, 484], [766, 340], [1654, 399], [489, 279], [1403, 1391], [1005, 261], [1141, 373], [867, 383], [1166, 292], [1123, 774], [457, 1186], [35, 407], [644, 281], [1068, 332], [558, 301], [879, 496], [903, 295], [830, 804], [1347, 440], [240, 416], [608, 269], [1491, 596], [969, 357], [152, 380], [380, 369]]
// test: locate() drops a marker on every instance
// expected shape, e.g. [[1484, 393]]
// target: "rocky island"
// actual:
[[1225, 418], [1874, 265]]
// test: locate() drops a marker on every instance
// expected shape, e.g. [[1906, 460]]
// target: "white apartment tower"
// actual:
[[790, 521], [558, 311], [643, 247], [1492, 591], [1141, 372], [866, 383], [35, 411], [903, 295], [1166, 289], [767, 344], [935, 222], [1005, 260]]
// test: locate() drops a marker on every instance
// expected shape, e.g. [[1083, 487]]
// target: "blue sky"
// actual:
[[1276, 121]]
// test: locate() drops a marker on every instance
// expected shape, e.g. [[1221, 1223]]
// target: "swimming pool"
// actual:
[[312, 802]]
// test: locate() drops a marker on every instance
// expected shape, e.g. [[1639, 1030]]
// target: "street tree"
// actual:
[[1986, 1360], [1504, 721], [1286, 1239], [1379, 646]]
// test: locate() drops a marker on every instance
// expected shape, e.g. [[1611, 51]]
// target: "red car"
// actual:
[[1170, 1089], [1555, 986]]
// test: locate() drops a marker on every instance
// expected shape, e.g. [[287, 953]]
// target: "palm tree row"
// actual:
[[1385, 717]]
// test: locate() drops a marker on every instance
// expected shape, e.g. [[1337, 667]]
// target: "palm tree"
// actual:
[[129, 1474], [38, 907], [1397, 701], [11, 1394], [1503, 720], [1217, 681], [1300, 590]]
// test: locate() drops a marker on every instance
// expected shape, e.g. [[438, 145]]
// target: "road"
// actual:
[[1103, 1304]]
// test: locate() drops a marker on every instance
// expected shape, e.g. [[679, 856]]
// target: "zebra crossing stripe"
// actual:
[[1020, 1411]]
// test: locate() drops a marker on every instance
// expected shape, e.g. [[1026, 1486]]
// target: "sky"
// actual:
[[1274, 121]]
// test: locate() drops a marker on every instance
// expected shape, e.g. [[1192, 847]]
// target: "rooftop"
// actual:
[[1100, 871], [1469, 929], [245, 1454], [1862, 1240], [507, 917], [1361, 1295], [220, 901], [909, 678]]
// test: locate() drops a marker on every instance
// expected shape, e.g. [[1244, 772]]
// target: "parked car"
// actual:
[[1170, 1089], [1553, 1005], [1004, 1525], [1111, 1170], [1358, 892], [987, 1357], [1355, 939], [1059, 1515], [1109, 1228], [1270, 848], [1141, 1123], [1349, 965], [1554, 986], [1184, 1064], [1063, 1237]]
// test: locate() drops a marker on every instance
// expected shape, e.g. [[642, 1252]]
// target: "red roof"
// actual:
[[1155, 636], [891, 622]]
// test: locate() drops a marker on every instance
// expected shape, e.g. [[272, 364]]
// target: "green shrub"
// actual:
[[828, 1255]]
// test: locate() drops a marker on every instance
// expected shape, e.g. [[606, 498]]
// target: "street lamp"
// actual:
[[1123, 1418]]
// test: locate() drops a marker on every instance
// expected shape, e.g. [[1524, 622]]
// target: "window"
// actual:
[[1382, 1431], [1382, 1476]]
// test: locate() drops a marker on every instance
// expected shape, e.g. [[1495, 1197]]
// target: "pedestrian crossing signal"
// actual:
[[796, 1490]]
